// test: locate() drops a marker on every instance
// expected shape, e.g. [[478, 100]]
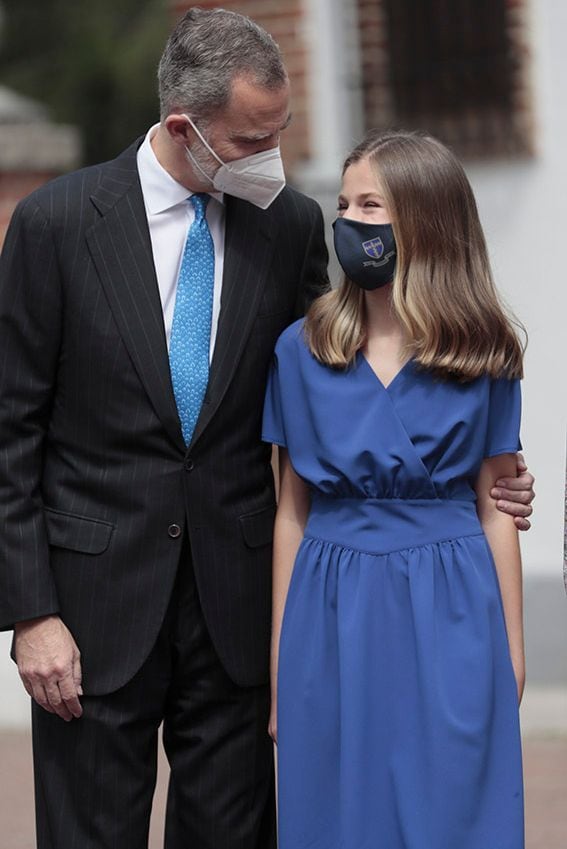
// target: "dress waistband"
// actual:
[[381, 525]]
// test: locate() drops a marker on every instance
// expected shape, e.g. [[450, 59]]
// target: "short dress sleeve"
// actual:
[[272, 424], [503, 431]]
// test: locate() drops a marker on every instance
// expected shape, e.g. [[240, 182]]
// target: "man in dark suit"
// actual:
[[135, 557]]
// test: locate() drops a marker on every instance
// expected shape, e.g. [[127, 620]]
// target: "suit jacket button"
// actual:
[[188, 464], [174, 531]]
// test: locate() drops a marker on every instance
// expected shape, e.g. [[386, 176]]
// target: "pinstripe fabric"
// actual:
[[93, 469], [95, 777], [93, 475]]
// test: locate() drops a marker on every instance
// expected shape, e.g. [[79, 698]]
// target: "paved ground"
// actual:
[[545, 782], [545, 760]]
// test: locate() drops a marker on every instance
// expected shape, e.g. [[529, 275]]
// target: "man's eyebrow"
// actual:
[[260, 136]]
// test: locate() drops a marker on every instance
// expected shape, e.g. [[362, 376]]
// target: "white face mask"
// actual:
[[258, 178]]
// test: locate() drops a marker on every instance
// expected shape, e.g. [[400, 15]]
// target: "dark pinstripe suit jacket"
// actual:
[[93, 468]]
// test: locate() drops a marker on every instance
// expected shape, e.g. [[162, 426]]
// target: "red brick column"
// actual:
[[31, 153], [374, 58], [13, 187], [283, 20]]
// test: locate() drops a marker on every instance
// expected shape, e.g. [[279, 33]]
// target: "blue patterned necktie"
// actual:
[[191, 328]]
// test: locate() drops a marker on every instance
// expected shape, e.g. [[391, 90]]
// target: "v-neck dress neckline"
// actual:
[[391, 383]]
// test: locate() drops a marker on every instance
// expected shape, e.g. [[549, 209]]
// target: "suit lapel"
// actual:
[[249, 244], [121, 250]]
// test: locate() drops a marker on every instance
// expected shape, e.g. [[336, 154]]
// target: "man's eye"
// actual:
[[248, 141]]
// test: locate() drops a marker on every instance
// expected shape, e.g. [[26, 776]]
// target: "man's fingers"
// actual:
[[515, 495], [515, 508], [68, 691], [49, 664], [78, 674], [39, 695], [60, 697], [54, 696], [518, 496], [524, 481], [522, 524], [56, 701]]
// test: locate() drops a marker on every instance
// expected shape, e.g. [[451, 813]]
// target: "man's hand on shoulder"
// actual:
[[515, 495], [49, 665]]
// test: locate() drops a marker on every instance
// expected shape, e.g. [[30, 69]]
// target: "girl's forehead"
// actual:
[[360, 177]]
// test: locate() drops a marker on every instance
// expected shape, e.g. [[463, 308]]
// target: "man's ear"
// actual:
[[179, 129]]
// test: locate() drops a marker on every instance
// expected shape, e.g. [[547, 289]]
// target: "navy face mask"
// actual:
[[366, 252]]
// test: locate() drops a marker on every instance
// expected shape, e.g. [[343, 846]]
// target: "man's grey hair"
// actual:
[[204, 53]]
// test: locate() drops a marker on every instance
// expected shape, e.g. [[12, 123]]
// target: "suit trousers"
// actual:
[[95, 776]]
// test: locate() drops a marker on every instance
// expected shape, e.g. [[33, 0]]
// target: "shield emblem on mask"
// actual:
[[374, 248]]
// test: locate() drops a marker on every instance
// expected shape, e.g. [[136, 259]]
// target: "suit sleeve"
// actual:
[[30, 326], [314, 279], [273, 430], [504, 414]]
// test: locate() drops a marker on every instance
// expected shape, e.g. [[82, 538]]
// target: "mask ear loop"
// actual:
[[203, 139], [196, 165]]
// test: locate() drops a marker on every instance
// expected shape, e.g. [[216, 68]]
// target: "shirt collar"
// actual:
[[159, 189]]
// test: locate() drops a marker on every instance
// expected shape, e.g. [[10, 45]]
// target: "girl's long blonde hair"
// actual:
[[443, 292]]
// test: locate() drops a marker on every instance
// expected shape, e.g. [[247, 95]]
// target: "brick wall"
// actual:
[[479, 128], [14, 187], [377, 105], [30, 154], [283, 20]]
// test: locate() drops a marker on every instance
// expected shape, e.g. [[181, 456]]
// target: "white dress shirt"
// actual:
[[170, 216]]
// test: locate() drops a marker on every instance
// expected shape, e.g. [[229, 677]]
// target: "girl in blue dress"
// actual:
[[397, 652]]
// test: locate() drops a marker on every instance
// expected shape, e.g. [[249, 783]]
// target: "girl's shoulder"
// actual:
[[291, 341]]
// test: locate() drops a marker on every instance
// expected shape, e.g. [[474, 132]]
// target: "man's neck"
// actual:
[[173, 160]]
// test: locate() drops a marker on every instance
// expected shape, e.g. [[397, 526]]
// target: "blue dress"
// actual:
[[398, 718]]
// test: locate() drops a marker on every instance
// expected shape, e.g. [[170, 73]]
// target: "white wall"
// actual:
[[14, 701], [523, 206]]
